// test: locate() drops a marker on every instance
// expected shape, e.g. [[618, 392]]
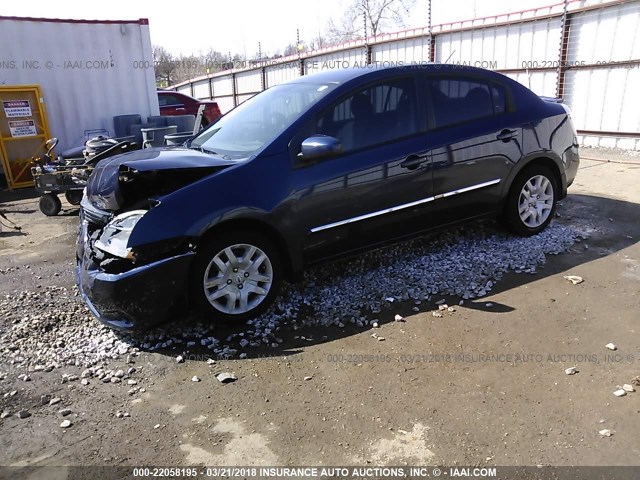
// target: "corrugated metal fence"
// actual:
[[586, 52]]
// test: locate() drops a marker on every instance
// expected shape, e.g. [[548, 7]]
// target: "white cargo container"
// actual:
[[88, 71]]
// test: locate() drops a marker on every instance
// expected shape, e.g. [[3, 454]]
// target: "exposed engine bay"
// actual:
[[122, 189]]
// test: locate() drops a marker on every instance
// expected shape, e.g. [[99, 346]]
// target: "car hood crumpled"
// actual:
[[104, 187]]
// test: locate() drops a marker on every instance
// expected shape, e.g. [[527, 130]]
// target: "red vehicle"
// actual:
[[174, 103]]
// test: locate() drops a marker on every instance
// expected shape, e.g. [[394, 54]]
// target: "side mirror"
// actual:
[[319, 146]]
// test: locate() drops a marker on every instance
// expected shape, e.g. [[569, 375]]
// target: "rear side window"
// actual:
[[377, 114], [459, 100]]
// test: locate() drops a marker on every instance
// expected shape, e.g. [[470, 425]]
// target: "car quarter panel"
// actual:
[[549, 138]]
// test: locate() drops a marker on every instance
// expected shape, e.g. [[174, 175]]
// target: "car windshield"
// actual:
[[256, 122]]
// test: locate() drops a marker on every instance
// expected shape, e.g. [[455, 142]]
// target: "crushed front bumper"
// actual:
[[136, 299]]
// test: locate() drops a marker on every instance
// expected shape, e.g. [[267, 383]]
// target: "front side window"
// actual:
[[377, 114], [459, 100]]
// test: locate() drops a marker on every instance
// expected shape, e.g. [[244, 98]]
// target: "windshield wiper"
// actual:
[[211, 152], [202, 149]]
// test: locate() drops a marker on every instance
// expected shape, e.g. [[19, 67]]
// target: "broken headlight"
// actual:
[[116, 233]]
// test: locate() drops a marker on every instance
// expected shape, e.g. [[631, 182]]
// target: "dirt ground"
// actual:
[[480, 386]]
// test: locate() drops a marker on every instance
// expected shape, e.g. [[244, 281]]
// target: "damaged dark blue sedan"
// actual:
[[324, 166]]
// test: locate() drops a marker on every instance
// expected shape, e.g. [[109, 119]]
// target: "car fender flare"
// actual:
[[541, 157], [243, 220]]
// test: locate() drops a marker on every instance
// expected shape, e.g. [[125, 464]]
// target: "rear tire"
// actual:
[[236, 276], [50, 204], [532, 200]]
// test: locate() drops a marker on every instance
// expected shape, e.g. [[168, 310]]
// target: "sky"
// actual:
[[237, 26]]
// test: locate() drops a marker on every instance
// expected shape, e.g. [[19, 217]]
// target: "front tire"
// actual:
[[236, 276], [532, 200]]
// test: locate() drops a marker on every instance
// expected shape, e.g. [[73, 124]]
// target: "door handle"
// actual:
[[506, 135], [411, 162]]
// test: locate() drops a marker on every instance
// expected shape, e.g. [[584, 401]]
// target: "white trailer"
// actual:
[[88, 70]]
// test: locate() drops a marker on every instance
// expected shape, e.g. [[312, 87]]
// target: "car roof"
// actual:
[[341, 76]]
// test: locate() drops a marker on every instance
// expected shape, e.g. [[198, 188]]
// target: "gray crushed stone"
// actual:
[[51, 328]]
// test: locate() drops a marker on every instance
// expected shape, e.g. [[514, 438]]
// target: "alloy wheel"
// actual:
[[536, 201], [238, 279]]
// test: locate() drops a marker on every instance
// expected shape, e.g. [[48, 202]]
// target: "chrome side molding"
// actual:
[[404, 205]]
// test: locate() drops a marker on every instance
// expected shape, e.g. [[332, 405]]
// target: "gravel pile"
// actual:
[[466, 262], [52, 328]]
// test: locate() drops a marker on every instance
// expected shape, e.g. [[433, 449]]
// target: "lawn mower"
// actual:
[[69, 176]]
